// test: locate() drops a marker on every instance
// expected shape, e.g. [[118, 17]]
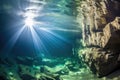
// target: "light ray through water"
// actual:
[[39, 46], [45, 25], [13, 40]]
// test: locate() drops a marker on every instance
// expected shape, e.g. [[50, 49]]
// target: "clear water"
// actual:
[[38, 27], [37, 34]]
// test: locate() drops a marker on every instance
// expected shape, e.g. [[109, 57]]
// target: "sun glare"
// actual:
[[29, 18], [29, 22]]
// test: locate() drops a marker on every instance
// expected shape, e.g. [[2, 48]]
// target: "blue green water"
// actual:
[[37, 40], [53, 32]]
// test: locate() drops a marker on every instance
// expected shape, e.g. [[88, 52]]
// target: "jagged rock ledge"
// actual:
[[100, 24]]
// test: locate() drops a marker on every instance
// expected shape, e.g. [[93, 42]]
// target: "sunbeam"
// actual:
[[38, 44], [59, 29], [54, 34], [13, 40], [29, 22], [46, 23]]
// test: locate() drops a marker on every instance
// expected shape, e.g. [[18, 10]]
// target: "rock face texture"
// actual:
[[100, 24]]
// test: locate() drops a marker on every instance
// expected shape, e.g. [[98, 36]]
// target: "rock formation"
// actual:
[[100, 24]]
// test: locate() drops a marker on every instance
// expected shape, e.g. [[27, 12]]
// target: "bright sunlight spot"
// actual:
[[29, 22]]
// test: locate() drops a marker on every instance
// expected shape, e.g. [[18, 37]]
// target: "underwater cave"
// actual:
[[59, 39]]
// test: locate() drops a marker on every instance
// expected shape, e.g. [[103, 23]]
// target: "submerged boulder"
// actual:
[[105, 59], [100, 62]]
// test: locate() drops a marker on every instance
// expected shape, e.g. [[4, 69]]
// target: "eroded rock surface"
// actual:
[[100, 24]]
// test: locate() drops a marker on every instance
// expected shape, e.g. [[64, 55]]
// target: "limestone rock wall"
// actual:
[[100, 24]]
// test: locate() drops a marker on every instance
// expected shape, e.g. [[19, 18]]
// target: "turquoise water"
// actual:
[[38, 27], [37, 40]]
